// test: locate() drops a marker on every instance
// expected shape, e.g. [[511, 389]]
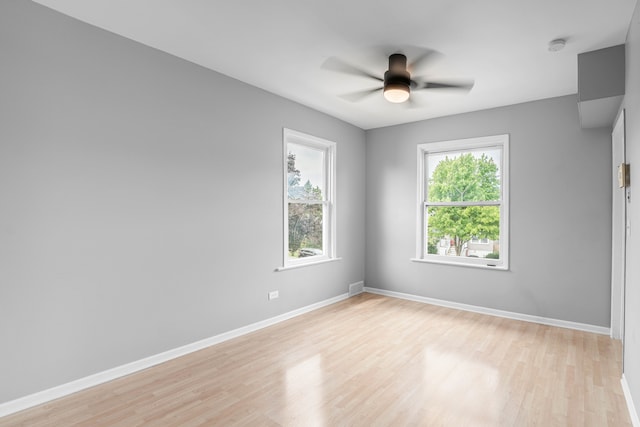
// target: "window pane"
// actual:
[[305, 230], [469, 231], [464, 176], [305, 172]]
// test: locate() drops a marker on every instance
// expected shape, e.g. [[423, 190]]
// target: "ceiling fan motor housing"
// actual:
[[397, 79]]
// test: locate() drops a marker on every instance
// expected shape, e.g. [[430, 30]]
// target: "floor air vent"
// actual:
[[356, 288]]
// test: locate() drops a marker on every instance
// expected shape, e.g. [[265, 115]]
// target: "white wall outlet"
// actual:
[[273, 295]]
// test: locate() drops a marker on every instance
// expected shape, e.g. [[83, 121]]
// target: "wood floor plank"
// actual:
[[368, 361]]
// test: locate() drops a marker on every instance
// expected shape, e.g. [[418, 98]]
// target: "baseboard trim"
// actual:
[[493, 312], [633, 413], [57, 392]]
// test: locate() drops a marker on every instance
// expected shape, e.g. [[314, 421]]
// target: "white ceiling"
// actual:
[[281, 45]]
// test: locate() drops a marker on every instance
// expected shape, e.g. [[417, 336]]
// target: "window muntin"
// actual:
[[309, 202], [462, 202]]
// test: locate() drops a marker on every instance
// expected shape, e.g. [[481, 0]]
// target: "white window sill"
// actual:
[[460, 264], [307, 264]]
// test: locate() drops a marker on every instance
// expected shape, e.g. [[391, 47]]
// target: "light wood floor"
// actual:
[[368, 361]]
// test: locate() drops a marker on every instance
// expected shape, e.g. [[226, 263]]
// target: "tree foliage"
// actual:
[[293, 174], [460, 179], [465, 178]]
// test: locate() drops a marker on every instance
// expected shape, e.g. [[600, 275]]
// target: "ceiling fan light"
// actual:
[[396, 93]]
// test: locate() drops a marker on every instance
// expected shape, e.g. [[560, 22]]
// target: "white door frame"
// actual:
[[618, 231]]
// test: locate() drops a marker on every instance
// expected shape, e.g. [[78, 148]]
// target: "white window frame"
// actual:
[[487, 142], [329, 211]]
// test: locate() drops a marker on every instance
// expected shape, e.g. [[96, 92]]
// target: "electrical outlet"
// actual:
[[273, 295]]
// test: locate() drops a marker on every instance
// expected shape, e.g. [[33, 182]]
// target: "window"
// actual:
[[309, 225], [463, 202]]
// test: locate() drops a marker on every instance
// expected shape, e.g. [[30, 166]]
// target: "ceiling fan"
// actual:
[[397, 82]]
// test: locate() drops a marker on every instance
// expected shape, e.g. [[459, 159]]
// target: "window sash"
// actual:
[[324, 234], [325, 164]]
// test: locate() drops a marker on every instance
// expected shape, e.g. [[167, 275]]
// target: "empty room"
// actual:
[[319, 213]]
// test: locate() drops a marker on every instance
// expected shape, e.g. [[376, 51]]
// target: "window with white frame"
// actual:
[[463, 206], [309, 202]]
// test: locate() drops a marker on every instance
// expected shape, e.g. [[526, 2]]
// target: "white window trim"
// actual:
[[329, 222], [501, 141]]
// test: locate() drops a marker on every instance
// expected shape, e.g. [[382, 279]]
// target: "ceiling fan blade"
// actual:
[[465, 86], [423, 60], [360, 95], [338, 65]]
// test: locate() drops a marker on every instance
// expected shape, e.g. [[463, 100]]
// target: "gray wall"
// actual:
[[560, 214], [141, 202], [632, 297]]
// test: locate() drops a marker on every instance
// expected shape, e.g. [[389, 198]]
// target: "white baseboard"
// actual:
[[44, 396], [493, 312], [633, 413]]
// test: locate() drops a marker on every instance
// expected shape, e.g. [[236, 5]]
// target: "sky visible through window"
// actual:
[[310, 163]]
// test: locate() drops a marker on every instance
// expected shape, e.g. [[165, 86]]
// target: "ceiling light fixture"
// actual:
[[556, 45], [397, 81], [396, 93]]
